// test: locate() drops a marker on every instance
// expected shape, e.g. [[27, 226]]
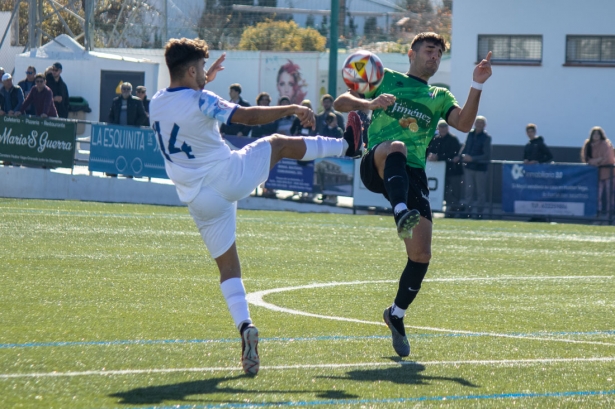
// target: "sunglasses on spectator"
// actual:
[[39, 81], [126, 89], [55, 69], [29, 73]]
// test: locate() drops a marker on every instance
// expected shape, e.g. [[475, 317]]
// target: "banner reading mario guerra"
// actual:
[[37, 142]]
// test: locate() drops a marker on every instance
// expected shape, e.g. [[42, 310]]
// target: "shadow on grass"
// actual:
[[408, 373], [181, 392]]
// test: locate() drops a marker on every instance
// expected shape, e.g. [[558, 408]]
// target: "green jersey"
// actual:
[[413, 118]]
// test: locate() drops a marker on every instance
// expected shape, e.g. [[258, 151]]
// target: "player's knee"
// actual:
[[397, 146], [420, 256]]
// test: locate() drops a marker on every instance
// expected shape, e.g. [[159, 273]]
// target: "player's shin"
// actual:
[[396, 180], [321, 147], [409, 286], [235, 295]]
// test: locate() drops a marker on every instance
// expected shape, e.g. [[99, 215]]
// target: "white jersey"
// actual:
[[186, 125]]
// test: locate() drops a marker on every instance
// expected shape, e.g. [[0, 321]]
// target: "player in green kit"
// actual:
[[405, 115]]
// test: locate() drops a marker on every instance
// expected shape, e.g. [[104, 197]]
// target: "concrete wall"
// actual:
[[564, 102]]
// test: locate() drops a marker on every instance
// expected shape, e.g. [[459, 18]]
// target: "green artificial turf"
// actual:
[[118, 306]]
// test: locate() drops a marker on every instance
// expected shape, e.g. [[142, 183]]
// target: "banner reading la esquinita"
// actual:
[[565, 190], [37, 142]]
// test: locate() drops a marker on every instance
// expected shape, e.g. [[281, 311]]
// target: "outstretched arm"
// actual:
[[260, 115], [463, 118], [351, 101], [215, 67]]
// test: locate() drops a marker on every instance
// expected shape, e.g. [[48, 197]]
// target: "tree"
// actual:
[[309, 21], [281, 36], [418, 6]]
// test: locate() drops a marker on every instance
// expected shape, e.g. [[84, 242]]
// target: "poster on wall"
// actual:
[[294, 75]]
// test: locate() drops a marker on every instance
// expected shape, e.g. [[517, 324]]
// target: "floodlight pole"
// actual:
[[333, 36]]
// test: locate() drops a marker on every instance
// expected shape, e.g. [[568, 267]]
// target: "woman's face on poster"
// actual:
[[286, 84]]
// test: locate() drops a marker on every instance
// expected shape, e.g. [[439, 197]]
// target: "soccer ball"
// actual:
[[363, 71]]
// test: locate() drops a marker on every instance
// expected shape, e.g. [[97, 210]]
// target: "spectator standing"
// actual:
[[536, 151], [445, 147], [327, 105], [12, 96], [40, 99], [332, 129], [598, 151], [127, 109], [60, 91], [258, 131], [284, 124], [142, 95], [475, 156], [236, 129], [297, 129], [26, 85]]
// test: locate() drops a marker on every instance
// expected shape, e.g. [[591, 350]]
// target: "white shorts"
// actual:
[[215, 206]]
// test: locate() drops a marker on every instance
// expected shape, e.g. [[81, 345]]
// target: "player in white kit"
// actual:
[[210, 178]]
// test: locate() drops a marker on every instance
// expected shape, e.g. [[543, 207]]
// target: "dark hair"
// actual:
[[31, 68], [283, 98], [429, 37], [235, 87], [141, 88], [326, 96], [330, 117], [180, 54], [39, 75], [586, 151], [261, 96], [530, 126], [292, 69]]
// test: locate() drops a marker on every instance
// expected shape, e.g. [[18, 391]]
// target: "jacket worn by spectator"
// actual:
[[135, 113], [447, 147], [59, 88], [26, 87], [41, 101], [321, 121], [234, 129], [478, 146], [12, 100], [537, 150]]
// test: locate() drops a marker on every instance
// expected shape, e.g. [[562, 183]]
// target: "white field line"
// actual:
[[256, 298], [495, 362]]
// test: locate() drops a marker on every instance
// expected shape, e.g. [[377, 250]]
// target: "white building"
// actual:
[[553, 65]]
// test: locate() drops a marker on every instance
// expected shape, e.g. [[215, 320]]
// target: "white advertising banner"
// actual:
[[435, 179]]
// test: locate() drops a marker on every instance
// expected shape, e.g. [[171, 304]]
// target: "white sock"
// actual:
[[322, 147], [235, 295], [398, 312], [399, 208]]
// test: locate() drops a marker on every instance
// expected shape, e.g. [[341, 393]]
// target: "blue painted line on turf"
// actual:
[[279, 339], [334, 402]]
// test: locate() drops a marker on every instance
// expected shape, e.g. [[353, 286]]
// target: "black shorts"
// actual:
[[418, 190]]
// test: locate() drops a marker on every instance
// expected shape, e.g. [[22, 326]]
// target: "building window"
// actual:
[[511, 49], [590, 50]]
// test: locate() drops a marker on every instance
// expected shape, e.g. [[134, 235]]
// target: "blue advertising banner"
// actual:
[[563, 190], [125, 150], [330, 176]]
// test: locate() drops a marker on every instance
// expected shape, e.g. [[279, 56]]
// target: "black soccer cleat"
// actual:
[[398, 333], [406, 220], [352, 135]]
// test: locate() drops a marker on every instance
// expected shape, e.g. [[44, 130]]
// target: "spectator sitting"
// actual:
[[284, 124], [598, 151], [535, 151], [40, 99], [127, 109], [332, 129], [54, 81], [13, 96], [26, 85], [327, 105], [142, 95], [444, 147], [258, 131], [297, 129], [235, 129]]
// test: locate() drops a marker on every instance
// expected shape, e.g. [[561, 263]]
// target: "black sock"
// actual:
[[396, 179], [410, 283]]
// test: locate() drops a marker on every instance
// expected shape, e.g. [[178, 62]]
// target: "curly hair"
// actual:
[[180, 54], [429, 37]]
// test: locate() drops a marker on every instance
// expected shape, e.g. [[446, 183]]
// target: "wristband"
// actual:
[[477, 85]]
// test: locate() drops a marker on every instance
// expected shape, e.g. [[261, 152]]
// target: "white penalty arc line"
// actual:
[[496, 362], [256, 298]]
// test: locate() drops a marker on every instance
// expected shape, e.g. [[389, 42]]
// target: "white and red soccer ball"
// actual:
[[363, 71]]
